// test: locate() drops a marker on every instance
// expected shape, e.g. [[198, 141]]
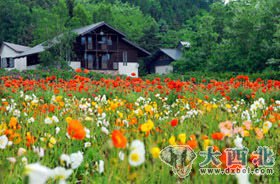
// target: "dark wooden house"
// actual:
[[99, 47]]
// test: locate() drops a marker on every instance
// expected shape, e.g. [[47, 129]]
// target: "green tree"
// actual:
[[59, 51]]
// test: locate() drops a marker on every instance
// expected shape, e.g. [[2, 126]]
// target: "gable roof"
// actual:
[[174, 54], [89, 28], [184, 44], [16, 47], [136, 46], [80, 31]]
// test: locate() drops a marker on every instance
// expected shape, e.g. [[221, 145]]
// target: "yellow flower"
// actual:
[[120, 115], [172, 140], [157, 116], [182, 138], [246, 133], [209, 107], [88, 118], [148, 108], [266, 126], [146, 127], [61, 104], [68, 119], [3, 128], [206, 143], [113, 106], [155, 152], [58, 98], [52, 142], [228, 106]]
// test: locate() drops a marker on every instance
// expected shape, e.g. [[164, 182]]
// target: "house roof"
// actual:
[[80, 31], [37, 49], [184, 44], [136, 46], [89, 28], [172, 53], [16, 47]]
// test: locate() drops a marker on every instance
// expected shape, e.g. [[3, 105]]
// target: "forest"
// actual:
[[236, 35]]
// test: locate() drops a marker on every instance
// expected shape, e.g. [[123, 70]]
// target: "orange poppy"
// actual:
[[76, 130], [192, 143], [119, 140]]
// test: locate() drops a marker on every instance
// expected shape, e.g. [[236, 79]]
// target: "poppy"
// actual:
[[76, 130], [174, 122], [218, 136], [118, 139]]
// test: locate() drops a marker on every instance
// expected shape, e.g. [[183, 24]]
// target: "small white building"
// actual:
[[7, 53], [162, 59]]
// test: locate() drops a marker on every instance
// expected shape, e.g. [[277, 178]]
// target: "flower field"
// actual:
[[112, 130]]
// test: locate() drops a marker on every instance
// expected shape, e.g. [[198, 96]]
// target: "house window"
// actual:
[[89, 42], [90, 61], [10, 63], [115, 65], [3, 63], [109, 41], [83, 40], [7, 63], [124, 58]]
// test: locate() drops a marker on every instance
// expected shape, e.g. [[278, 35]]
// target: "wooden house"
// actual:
[[98, 47]]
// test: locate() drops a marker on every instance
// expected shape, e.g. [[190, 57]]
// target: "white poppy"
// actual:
[[21, 151], [37, 173], [65, 159], [121, 155], [87, 144], [105, 130], [136, 157], [137, 144], [57, 130], [31, 120], [87, 133], [48, 121], [12, 160], [242, 178], [24, 160], [61, 174], [101, 166], [3, 141], [238, 142], [39, 151], [76, 159], [55, 119]]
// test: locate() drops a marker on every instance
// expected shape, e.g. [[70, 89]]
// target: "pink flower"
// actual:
[[226, 128], [237, 130], [247, 124], [259, 133]]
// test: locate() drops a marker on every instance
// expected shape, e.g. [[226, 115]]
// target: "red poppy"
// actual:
[[218, 136], [86, 71], [174, 122], [78, 70]]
